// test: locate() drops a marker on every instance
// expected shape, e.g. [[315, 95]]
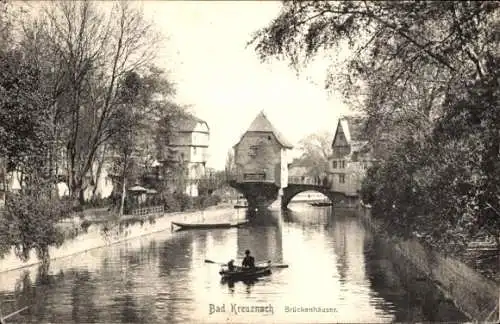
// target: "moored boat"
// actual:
[[186, 226], [321, 204], [241, 203]]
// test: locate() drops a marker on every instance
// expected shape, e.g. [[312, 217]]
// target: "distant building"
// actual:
[[262, 154], [351, 155], [189, 144]]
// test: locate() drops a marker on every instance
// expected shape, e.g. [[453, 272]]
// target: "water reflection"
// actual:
[[395, 280], [333, 263], [264, 241]]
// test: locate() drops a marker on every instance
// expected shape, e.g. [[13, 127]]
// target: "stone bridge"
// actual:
[[262, 158], [263, 194]]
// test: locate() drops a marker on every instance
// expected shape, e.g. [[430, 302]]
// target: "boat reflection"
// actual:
[[249, 283], [230, 282]]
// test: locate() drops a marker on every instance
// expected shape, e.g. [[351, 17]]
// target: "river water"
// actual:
[[338, 272]]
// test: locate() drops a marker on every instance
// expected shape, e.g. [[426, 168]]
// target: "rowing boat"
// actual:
[[186, 226], [323, 203], [240, 273], [241, 204]]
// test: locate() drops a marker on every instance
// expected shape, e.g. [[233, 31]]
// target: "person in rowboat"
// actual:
[[248, 261], [230, 265]]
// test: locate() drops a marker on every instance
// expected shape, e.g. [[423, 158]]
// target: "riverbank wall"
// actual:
[[474, 295], [99, 235]]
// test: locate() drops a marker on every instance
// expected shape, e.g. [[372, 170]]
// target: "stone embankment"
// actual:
[[472, 293], [103, 234]]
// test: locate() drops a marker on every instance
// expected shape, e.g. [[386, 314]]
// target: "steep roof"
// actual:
[[188, 123], [262, 125], [353, 127]]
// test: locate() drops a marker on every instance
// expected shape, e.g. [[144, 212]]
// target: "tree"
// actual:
[[316, 150], [30, 217], [406, 56], [88, 50], [5, 23], [173, 167], [230, 167], [211, 182], [134, 127], [30, 223], [24, 139], [461, 155], [472, 123]]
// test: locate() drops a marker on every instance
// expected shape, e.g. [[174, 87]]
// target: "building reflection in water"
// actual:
[[263, 238]]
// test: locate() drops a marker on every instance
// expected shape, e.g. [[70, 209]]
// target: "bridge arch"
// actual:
[[294, 189], [257, 194]]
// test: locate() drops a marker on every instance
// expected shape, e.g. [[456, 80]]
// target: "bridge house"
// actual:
[[262, 154], [351, 156]]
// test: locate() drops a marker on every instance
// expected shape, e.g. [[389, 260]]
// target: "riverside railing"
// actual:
[[146, 211]]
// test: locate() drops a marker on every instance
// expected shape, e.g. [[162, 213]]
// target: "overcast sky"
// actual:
[[226, 83]]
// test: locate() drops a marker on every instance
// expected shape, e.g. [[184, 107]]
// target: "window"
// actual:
[[334, 164], [194, 150], [341, 178], [254, 176], [253, 150], [342, 164]]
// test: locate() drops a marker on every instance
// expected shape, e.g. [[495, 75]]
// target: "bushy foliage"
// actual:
[[29, 223], [444, 189], [205, 201], [97, 203], [316, 150], [170, 202], [185, 201]]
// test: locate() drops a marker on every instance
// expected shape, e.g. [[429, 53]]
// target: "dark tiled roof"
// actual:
[[354, 128], [262, 124]]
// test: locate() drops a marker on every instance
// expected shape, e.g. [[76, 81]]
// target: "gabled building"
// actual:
[[262, 154], [351, 155], [189, 144]]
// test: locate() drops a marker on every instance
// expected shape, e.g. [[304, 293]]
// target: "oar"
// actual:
[[272, 265], [2, 320], [219, 263]]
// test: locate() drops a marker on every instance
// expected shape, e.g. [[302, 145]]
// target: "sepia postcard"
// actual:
[[249, 161]]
